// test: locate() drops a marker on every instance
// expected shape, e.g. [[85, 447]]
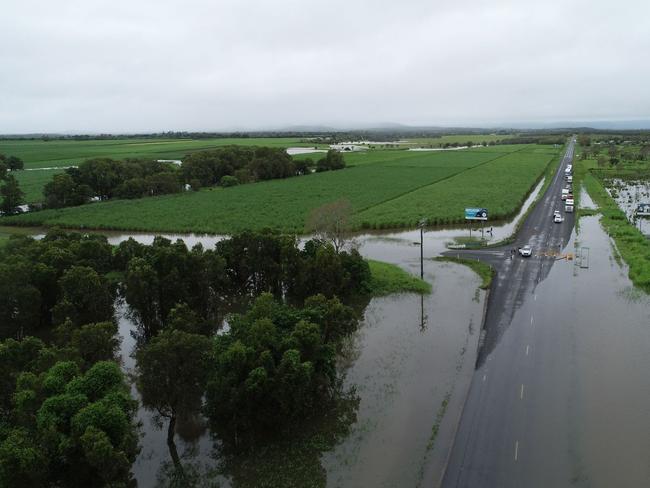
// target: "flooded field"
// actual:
[[403, 363], [628, 194]]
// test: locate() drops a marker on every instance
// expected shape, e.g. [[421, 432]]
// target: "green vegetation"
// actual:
[[501, 185], [32, 183], [66, 418], [390, 189], [484, 271], [388, 278], [632, 245], [61, 153]]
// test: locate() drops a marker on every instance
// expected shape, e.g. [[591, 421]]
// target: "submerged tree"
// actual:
[[172, 372]]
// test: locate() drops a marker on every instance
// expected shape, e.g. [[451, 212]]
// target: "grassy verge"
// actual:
[[632, 245], [485, 271], [389, 278]]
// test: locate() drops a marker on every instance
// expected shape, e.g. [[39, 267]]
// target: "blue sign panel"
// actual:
[[643, 209], [476, 214]]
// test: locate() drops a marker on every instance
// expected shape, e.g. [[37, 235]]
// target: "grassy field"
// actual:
[[32, 183], [391, 189], [460, 139], [500, 185], [388, 278], [55, 153]]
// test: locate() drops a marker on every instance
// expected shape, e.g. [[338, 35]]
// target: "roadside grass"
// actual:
[[484, 271], [631, 244], [388, 279], [393, 190]]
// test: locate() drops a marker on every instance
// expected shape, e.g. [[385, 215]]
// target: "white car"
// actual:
[[526, 251], [558, 219]]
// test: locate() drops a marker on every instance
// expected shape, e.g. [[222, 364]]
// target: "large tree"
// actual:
[[14, 163], [12, 195], [172, 372]]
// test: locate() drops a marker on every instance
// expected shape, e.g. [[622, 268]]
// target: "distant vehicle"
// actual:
[[569, 178], [556, 212], [568, 208], [558, 219], [569, 200], [526, 251]]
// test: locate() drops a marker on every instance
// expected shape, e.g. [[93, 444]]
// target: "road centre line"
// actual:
[[521, 393], [527, 348], [531, 320], [516, 450]]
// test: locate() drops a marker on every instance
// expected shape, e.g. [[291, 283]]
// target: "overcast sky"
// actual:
[[151, 65]]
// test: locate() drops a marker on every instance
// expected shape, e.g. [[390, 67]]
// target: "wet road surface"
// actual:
[[561, 395]]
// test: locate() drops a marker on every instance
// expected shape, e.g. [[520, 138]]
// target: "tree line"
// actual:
[[12, 195], [105, 178], [66, 418], [232, 165]]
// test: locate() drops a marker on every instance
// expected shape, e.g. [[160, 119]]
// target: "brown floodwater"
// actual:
[[406, 358]]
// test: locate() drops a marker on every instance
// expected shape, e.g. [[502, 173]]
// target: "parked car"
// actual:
[[558, 219], [526, 251]]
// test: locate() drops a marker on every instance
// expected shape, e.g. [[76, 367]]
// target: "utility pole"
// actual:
[[422, 223]]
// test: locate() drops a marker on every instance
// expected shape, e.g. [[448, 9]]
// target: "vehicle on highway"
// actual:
[[526, 251], [558, 219], [568, 208], [569, 178], [569, 200]]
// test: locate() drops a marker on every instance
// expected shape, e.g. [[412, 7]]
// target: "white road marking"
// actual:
[[535, 296], [521, 393], [484, 377], [531, 320], [516, 450], [527, 348]]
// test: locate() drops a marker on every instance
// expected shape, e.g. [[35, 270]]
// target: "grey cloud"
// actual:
[[127, 66]]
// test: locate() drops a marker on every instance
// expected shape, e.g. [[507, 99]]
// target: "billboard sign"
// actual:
[[476, 214], [643, 209]]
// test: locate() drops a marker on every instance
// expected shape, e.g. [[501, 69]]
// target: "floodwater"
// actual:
[[628, 194], [410, 357], [404, 361], [582, 419], [292, 151], [586, 201], [612, 340]]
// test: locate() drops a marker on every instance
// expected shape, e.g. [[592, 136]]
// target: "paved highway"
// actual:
[[507, 435]]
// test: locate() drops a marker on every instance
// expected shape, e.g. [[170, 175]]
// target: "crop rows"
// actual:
[[390, 192]]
